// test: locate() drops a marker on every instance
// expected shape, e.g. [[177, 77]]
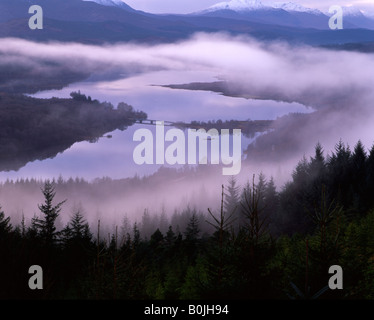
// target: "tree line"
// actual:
[[32, 128], [262, 242]]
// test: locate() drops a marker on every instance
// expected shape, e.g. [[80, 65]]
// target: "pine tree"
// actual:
[[163, 221], [66, 235], [218, 258], [146, 224], [5, 226], [359, 172], [270, 191], [271, 198], [359, 158], [317, 172], [192, 230], [32, 230], [156, 238], [300, 175], [232, 202], [46, 226], [260, 187], [77, 230], [78, 226], [231, 196], [370, 178], [125, 227], [340, 174], [317, 164], [136, 236], [23, 226], [170, 237], [256, 224]]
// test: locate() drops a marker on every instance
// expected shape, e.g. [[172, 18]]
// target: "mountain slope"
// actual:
[[90, 22], [239, 5], [113, 3], [286, 14], [355, 16]]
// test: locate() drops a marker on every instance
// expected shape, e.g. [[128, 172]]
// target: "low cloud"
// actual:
[[324, 79], [328, 75], [337, 83]]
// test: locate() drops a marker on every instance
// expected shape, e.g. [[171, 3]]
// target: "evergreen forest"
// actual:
[[263, 243]]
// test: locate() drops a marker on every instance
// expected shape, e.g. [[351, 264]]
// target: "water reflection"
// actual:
[[113, 156]]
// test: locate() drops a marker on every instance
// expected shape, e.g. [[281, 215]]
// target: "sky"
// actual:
[[188, 6]]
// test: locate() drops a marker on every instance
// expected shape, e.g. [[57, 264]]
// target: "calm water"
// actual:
[[113, 157]]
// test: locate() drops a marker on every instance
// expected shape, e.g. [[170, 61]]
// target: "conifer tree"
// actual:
[[232, 198], [300, 175], [79, 226], [359, 172], [136, 236], [271, 199], [256, 222], [32, 230], [46, 226], [318, 155], [77, 230], [170, 237], [317, 165], [157, 237], [370, 178], [340, 174], [260, 187], [5, 226], [359, 159], [146, 224], [192, 230]]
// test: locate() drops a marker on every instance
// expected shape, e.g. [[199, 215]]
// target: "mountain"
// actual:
[[239, 5], [286, 14], [356, 17], [110, 21], [255, 5], [113, 3], [294, 7], [278, 13]]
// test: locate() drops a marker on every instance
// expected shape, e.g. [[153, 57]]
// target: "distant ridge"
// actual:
[[114, 21]]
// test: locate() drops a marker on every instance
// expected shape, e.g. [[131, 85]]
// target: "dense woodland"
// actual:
[[249, 128], [34, 129], [263, 243]]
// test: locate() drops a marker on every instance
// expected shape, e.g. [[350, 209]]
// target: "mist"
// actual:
[[326, 77], [336, 85]]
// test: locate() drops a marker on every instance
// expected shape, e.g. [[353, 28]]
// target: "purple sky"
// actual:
[[187, 6]]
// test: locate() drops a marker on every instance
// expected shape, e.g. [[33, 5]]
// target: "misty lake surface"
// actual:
[[113, 157]]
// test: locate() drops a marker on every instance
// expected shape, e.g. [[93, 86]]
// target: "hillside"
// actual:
[[90, 22], [35, 129]]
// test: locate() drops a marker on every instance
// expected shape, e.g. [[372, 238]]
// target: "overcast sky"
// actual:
[[187, 6]]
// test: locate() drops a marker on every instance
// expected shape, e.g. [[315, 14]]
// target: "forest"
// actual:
[[32, 128], [263, 243], [249, 128]]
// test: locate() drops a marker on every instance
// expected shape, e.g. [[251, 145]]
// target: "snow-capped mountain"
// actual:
[[358, 17], [238, 5], [278, 13], [352, 11], [112, 3], [295, 7], [253, 5], [286, 14]]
